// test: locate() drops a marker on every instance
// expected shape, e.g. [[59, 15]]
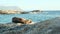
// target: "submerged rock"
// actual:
[[51, 26]]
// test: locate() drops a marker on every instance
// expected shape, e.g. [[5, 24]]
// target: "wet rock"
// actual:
[[25, 12], [35, 12], [51, 26]]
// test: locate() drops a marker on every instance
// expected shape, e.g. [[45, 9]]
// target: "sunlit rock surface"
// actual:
[[51, 26], [10, 10]]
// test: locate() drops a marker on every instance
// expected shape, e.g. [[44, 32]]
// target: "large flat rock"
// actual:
[[51, 26]]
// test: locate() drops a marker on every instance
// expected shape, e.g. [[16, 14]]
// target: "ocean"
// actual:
[[7, 18]]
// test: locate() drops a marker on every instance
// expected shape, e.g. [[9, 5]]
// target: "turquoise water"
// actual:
[[6, 18]]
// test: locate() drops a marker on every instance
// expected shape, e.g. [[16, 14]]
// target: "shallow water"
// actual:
[[6, 18]]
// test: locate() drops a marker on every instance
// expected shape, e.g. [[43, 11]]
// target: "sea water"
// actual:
[[7, 18]]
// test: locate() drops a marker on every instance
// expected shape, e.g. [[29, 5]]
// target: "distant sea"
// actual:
[[7, 18]]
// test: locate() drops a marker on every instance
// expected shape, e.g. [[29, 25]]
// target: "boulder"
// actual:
[[20, 20]]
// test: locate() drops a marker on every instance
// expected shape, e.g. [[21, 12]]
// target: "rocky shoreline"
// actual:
[[19, 12], [51, 26]]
